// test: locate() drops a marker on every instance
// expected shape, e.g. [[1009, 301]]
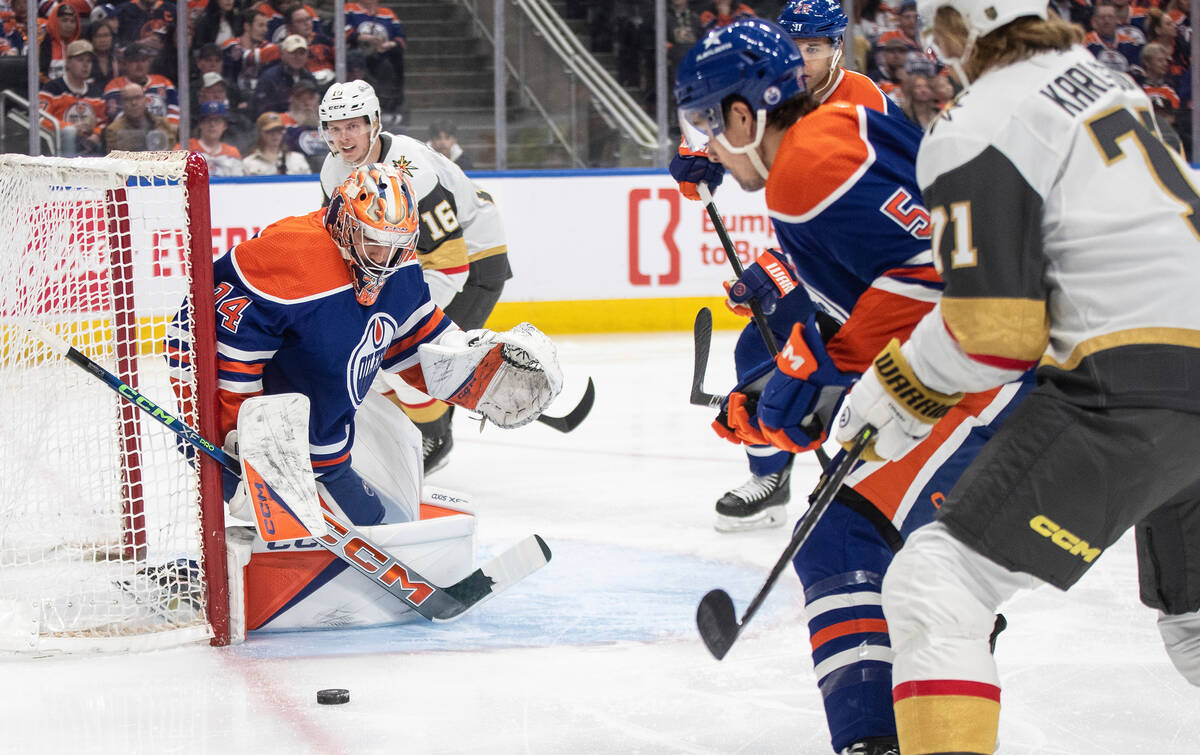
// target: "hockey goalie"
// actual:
[[318, 305]]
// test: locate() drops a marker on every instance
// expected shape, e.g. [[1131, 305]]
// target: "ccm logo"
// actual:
[[376, 564], [1069, 542]]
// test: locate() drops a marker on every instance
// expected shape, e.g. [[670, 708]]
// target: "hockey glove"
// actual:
[[800, 400], [771, 276], [690, 167], [901, 408], [509, 377], [737, 421]]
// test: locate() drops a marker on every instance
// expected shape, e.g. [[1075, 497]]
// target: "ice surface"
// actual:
[[598, 651]]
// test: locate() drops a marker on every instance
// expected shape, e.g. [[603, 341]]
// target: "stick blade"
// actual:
[[717, 621], [572, 419], [493, 578]]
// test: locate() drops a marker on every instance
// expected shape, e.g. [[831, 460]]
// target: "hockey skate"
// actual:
[[758, 503], [436, 441], [874, 746]]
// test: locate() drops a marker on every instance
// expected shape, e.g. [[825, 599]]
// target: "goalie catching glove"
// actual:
[[510, 378], [901, 408]]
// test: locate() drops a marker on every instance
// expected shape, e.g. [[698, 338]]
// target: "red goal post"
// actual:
[[111, 533]]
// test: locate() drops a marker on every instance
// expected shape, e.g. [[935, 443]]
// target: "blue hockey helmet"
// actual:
[[808, 19], [753, 58]]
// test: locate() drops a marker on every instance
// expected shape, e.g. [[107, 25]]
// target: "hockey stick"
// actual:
[[573, 418], [702, 336], [755, 309], [731, 254], [342, 539], [716, 617]]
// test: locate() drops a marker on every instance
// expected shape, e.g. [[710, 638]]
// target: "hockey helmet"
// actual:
[[351, 99], [807, 19], [981, 16], [752, 58], [373, 219]]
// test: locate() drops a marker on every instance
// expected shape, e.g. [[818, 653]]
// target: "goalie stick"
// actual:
[[573, 418], [715, 616], [341, 538]]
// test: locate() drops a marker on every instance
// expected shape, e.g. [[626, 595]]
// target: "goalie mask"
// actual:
[[754, 59], [373, 219]]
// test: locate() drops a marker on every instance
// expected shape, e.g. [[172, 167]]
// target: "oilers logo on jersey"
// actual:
[[367, 356]]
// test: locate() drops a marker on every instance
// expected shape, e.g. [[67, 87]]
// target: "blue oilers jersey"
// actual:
[[843, 198], [288, 322]]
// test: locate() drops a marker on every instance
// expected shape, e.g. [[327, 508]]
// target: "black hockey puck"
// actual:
[[333, 696]]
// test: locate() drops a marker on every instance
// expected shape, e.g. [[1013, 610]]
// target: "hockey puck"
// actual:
[[333, 696]]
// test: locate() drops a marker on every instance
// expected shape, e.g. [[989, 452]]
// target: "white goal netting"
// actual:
[[100, 508]]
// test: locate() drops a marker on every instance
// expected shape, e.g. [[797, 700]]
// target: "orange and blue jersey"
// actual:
[[288, 322], [844, 201], [161, 97], [381, 22]]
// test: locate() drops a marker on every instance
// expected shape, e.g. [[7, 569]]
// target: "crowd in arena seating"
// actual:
[[1150, 40], [258, 67], [257, 70]]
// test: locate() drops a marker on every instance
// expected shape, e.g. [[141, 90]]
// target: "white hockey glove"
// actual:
[[509, 377], [891, 398]]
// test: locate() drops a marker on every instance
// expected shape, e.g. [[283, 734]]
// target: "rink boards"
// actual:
[[591, 251]]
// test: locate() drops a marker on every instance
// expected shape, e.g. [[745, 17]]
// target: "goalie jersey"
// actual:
[[288, 321], [1012, 189]]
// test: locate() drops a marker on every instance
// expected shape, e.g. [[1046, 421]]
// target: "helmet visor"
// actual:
[[701, 125]]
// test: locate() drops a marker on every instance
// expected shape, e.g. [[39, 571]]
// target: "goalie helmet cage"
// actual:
[[111, 532]]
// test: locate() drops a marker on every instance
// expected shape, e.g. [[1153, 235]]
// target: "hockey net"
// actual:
[[111, 534]]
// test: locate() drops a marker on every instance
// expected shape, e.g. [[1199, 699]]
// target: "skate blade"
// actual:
[[773, 516]]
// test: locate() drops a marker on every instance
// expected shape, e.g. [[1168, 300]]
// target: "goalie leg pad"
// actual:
[[509, 377]]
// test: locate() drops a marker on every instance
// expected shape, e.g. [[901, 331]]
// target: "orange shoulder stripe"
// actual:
[[292, 259], [821, 157], [418, 336]]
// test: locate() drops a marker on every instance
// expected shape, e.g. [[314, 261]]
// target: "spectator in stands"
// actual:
[[218, 22], [377, 33], [277, 82], [76, 102], [906, 27], [102, 36], [62, 28], [243, 58], [943, 88], [1162, 29], [1154, 73], [15, 27], [223, 158], [919, 103], [135, 128], [1127, 23], [161, 97], [723, 13], [888, 73], [301, 22], [1114, 50], [213, 88], [271, 157], [1165, 110], [131, 17], [300, 124], [1075, 11], [683, 30], [443, 138]]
